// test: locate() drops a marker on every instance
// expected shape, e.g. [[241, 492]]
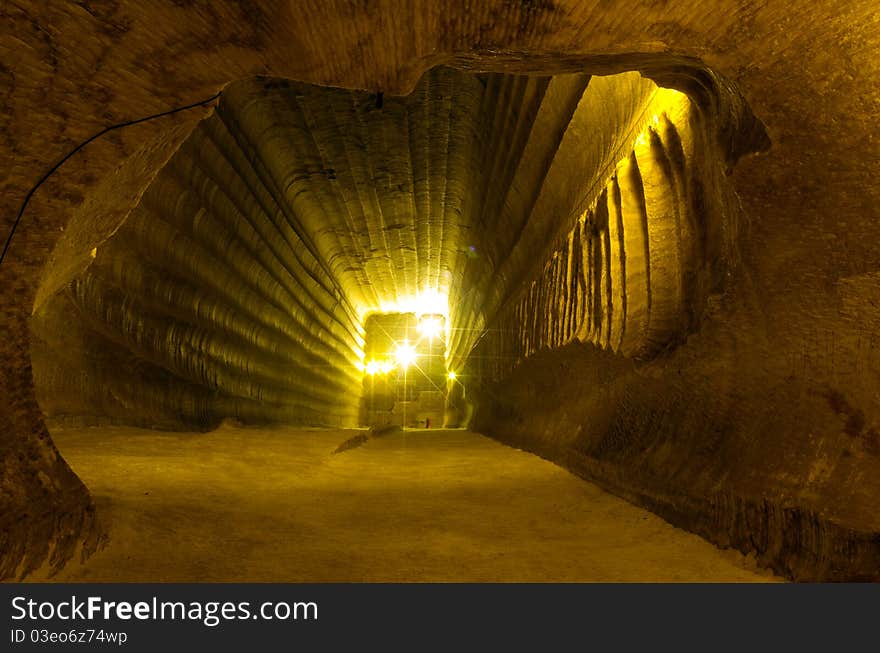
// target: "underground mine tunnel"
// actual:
[[522, 299]]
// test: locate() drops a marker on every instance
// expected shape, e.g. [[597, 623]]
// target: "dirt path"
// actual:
[[278, 505]]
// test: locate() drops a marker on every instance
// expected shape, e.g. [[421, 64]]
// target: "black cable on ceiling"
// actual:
[[55, 167]]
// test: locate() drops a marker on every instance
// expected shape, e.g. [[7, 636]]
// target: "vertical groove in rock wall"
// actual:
[[638, 254], [574, 147]]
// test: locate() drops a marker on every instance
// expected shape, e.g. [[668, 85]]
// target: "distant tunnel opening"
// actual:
[[405, 376]]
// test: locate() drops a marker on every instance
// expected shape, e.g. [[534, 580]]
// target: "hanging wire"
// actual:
[[127, 123]]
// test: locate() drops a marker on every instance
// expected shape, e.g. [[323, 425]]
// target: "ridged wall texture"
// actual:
[[693, 328]]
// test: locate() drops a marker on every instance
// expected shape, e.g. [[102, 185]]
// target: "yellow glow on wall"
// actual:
[[665, 102]]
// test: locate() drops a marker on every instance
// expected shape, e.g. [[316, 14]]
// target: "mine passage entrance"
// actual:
[[405, 372]]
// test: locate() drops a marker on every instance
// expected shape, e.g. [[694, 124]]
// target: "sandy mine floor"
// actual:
[[278, 505]]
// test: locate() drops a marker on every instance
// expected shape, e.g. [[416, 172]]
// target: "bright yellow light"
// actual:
[[452, 376], [405, 354], [373, 367], [430, 327]]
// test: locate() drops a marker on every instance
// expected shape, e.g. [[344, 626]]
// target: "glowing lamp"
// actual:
[[452, 376], [430, 327], [405, 355]]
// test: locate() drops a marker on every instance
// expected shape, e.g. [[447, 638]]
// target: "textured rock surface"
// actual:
[[770, 403]]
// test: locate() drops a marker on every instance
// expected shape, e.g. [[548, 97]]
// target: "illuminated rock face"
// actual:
[[695, 336], [633, 272]]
